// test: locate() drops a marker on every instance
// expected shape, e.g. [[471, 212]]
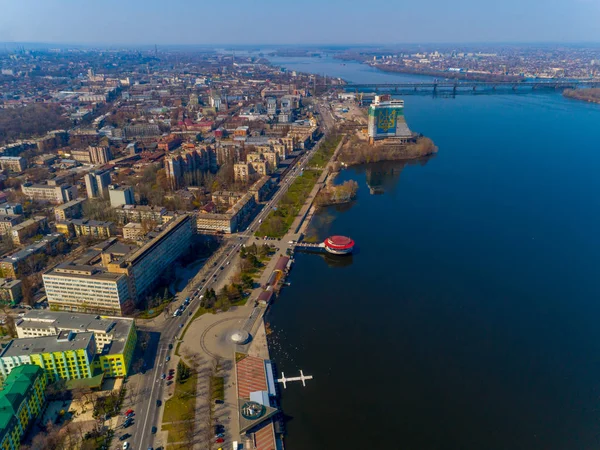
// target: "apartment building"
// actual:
[[10, 291], [96, 183], [86, 288], [230, 220], [11, 209], [13, 265], [115, 337], [184, 168], [50, 192], [7, 222], [22, 401], [86, 227], [99, 154], [16, 164], [66, 356], [145, 265], [133, 231], [120, 195], [36, 225], [69, 210], [139, 213]]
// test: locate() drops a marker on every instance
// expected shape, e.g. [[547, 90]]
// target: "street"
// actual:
[[151, 387]]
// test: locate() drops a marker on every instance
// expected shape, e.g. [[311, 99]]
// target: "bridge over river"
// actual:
[[453, 87]]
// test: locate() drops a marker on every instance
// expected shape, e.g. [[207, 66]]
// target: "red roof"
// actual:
[[339, 242]]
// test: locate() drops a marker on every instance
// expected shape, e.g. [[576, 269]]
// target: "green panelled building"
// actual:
[[22, 400]]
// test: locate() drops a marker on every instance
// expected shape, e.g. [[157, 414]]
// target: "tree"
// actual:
[[247, 281]]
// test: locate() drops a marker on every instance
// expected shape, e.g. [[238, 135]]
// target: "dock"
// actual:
[[302, 378]]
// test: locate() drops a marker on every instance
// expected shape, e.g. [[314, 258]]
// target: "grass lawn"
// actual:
[[178, 447], [181, 406], [176, 432], [325, 152], [154, 312], [279, 221], [217, 388]]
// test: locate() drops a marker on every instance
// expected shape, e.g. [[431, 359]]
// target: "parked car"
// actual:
[[158, 403], [125, 445], [219, 440], [168, 358], [129, 412], [163, 376], [154, 430]]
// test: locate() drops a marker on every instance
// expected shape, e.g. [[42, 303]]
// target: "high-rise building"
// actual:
[[185, 168], [120, 195], [126, 274], [96, 183], [87, 288], [145, 265], [22, 400], [100, 155], [386, 119]]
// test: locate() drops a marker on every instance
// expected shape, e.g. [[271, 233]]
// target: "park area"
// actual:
[[279, 221]]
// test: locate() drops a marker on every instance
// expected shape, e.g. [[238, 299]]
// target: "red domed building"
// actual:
[[339, 245]]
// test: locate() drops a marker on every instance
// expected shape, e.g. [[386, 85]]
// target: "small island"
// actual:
[[336, 194], [591, 95]]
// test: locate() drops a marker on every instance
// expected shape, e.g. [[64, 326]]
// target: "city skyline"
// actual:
[[433, 21]]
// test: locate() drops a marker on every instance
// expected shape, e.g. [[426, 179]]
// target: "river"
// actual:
[[468, 316]]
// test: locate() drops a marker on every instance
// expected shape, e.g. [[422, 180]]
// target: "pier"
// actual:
[[302, 378]]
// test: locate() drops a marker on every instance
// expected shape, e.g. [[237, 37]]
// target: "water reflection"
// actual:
[[384, 175]]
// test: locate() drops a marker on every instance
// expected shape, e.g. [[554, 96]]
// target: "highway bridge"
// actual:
[[462, 86]]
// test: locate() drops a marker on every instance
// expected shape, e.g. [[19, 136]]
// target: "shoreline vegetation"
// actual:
[[336, 194], [356, 151], [590, 95]]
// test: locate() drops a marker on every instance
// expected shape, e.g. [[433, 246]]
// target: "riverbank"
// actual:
[[356, 151], [591, 95]]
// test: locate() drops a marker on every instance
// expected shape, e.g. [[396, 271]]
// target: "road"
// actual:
[[152, 387]]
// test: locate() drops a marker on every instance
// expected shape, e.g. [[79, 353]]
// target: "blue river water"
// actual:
[[468, 317]]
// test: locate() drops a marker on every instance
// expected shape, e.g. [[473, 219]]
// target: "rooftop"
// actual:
[[16, 387], [62, 342], [33, 248], [118, 327]]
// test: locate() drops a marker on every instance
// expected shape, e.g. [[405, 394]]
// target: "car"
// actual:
[[154, 430], [168, 358], [163, 376], [125, 445], [180, 325], [219, 440], [123, 437], [204, 280], [169, 383], [219, 402], [170, 346], [222, 267], [219, 428], [129, 412], [158, 403], [219, 435], [170, 377]]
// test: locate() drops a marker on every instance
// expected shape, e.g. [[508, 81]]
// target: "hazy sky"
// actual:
[[298, 21]]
